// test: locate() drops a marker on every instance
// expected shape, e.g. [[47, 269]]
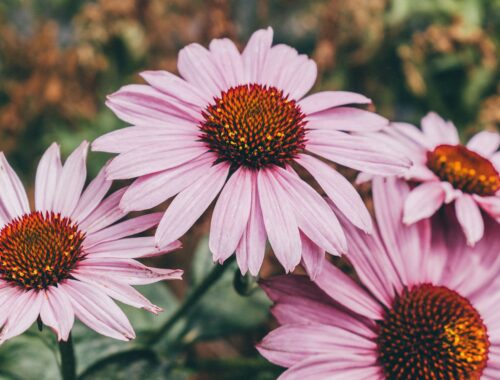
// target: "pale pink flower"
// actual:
[[426, 306], [68, 257], [448, 172], [232, 124]]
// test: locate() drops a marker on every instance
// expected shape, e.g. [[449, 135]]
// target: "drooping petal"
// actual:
[[470, 218], [230, 215], [339, 190], [47, 176], [325, 100], [57, 312], [141, 161], [491, 205], [95, 309], [347, 119], [279, 220], [313, 257], [423, 202], [190, 203], [71, 181], [252, 246], [92, 196], [13, 199], [485, 143], [127, 271], [150, 190], [22, 314], [127, 228], [439, 131]]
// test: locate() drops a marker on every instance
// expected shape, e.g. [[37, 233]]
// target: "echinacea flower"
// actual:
[[425, 306], [68, 257], [448, 172], [233, 124]]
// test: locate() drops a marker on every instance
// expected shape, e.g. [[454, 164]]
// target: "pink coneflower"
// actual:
[[68, 256], [448, 171], [424, 310], [232, 125]]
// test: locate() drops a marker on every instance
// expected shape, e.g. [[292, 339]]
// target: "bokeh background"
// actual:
[[59, 59]]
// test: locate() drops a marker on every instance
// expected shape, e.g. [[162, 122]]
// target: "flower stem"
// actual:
[[193, 298], [68, 362]]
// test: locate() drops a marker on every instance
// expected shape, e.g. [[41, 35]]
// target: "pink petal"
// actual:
[[142, 160], [325, 100], [197, 66], [347, 119], [227, 57], [438, 131], [126, 139], [230, 215], [95, 309], [423, 202], [189, 204], [313, 257], [299, 75], [279, 220], [312, 213], [128, 228], [336, 367], [150, 190], [71, 181], [344, 290], [92, 196], [125, 271], [255, 53], [105, 214], [21, 315], [131, 248], [340, 191], [142, 105], [13, 196], [491, 205], [277, 59], [252, 246], [485, 143], [357, 152], [288, 345], [119, 291], [495, 159], [470, 218], [47, 175], [174, 86], [57, 312]]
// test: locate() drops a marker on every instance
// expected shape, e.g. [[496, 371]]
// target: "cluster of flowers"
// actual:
[[239, 127]]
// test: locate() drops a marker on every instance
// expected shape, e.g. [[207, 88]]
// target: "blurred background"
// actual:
[[59, 59]]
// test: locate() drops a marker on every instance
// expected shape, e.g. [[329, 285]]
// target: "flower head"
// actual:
[[448, 172], [69, 256], [423, 307], [235, 124]]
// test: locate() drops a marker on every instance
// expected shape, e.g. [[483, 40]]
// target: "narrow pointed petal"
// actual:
[[228, 59], [131, 248], [105, 214], [71, 181], [470, 218], [57, 312], [13, 197], [47, 176], [347, 119], [255, 54], [324, 100], [279, 220], [190, 204], [22, 314], [230, 215], [313, 257]]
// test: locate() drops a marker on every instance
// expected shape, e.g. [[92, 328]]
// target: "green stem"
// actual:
[[193, 298], [68, 362]]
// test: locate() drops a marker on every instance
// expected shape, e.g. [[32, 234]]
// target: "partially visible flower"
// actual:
[[448, 171], [425, 307], [68, 256], [233, 124]]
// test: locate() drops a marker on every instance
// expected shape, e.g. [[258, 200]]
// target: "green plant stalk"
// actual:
[[68, 361], [193, 298]]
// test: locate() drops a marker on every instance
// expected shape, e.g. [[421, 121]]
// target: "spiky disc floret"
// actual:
[[254, 126], [464, 169], [432, 333], [39, 250]]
